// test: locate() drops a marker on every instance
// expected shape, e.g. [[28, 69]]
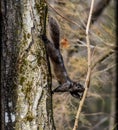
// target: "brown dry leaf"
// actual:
[[64, 43]]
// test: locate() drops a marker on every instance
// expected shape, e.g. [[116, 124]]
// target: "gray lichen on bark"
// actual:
[[33, 93], [26, 68]]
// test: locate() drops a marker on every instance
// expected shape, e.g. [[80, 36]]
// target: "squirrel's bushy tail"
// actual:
[[54, 31]]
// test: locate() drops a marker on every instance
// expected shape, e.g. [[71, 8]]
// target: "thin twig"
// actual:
[[99, 123], [87, 82], [106, 69], [70, 21], [102, 58]]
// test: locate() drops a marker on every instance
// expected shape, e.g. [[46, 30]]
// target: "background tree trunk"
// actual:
[[26, 84]]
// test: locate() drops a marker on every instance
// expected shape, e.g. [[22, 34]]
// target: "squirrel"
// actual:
[[53, 50]]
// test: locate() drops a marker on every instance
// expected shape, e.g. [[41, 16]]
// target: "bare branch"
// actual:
[[87, 82], [99, 123], [101, 58]]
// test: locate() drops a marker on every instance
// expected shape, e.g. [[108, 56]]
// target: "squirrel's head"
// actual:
[[77, 90]]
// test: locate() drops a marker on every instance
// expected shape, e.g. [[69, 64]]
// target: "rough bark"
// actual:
[[26, 84]]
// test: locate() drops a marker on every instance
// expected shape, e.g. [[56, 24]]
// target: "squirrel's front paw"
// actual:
[[52, 92], [77, 94], [43, 37]]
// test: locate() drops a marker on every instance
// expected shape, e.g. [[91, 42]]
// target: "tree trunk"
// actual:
[[26, 83]]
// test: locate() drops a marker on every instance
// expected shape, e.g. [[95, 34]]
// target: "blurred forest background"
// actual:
[[99, 107]]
